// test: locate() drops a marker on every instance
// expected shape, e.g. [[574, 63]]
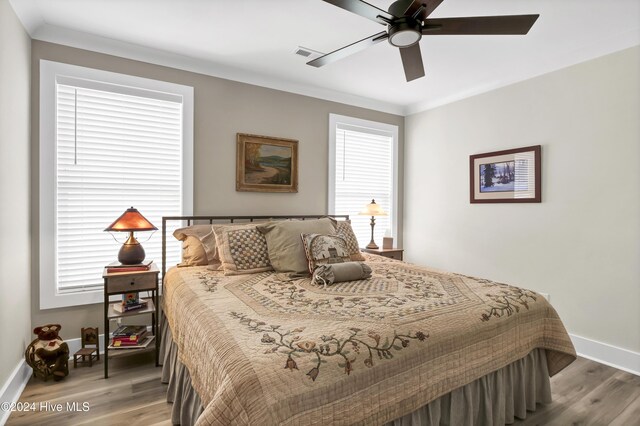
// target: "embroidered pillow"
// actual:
[[344, 230], [324, 249], [286, 250], [242, 248]]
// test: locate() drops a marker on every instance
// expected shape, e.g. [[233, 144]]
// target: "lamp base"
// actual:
[[372, 245], [131, 252]]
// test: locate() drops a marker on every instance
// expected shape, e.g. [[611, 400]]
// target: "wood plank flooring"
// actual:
[[131, 395], [589, 393], [585, 393]]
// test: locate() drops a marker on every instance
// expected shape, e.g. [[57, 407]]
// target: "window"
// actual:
[[362, 166], [107, 142]]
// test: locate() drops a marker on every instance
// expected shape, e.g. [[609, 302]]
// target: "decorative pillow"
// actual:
[[242, 249], [324, 249], [198, 245], [286, 250], [193, 253], [338, 272], [344, 230]]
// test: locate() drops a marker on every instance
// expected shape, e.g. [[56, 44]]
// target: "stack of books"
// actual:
[[130, 337], [130, 302], [117, 267]]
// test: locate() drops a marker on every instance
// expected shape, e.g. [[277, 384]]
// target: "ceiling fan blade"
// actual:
[[349, 50], [412, 62], [426, 7], [364, 9], [479, 25]]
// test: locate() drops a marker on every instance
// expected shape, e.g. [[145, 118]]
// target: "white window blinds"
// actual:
[[363, 171], [114, 150]]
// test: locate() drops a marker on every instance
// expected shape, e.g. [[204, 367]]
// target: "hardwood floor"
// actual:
[[589, 393], [132, 395], [585, 393]]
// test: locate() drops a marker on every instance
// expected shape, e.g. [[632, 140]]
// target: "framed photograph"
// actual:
[[266, 164], [510, 176]]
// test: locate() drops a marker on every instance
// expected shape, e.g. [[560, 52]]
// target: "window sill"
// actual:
[[64, 300]]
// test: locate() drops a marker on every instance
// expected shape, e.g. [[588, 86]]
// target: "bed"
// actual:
[[408, 346]]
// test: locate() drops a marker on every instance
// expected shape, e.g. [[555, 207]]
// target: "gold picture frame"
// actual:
[[266, 164]]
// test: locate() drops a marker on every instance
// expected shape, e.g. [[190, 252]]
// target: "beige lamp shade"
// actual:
[[373, 209]]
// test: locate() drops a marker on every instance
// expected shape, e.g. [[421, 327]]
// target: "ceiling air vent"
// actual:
[[300, 51], [307, 53]]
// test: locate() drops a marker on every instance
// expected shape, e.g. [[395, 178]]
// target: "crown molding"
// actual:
[[29, 14], [606, 46], [81, 40]]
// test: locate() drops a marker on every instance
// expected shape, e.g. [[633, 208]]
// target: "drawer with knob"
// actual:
[[125, 283]]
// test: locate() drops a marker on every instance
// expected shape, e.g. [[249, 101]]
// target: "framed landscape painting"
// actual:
[[510, 176], [266, 164]]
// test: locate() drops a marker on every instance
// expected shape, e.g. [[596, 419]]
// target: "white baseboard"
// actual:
[[604, 353], [14, 386]]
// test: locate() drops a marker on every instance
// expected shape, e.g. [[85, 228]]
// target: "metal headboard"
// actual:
[[231, 219]]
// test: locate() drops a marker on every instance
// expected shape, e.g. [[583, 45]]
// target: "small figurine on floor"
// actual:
[[48, 355]]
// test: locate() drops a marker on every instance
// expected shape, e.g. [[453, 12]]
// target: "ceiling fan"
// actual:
[[407, 22]]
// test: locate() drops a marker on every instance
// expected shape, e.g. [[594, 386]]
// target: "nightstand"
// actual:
[[393, 253], [127, 282]]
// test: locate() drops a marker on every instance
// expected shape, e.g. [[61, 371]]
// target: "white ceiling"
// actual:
[[254, 40]]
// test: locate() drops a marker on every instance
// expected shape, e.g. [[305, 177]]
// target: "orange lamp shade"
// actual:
[[131, 220], [131, 252]]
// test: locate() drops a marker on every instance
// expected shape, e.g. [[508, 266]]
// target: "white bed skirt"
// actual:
[[495, 399]]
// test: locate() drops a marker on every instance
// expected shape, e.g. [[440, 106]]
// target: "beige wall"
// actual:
[[222, 109], [15, 292], [582, 243]]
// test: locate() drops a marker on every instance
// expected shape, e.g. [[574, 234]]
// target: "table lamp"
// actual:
[[131, 220], [372, 209]]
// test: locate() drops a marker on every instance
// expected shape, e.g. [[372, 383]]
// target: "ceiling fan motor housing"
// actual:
[[404, 32]]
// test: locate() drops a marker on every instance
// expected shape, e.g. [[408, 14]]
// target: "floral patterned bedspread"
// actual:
[[265, 349]]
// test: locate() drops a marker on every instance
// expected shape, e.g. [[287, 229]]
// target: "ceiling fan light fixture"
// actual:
[[404, 35], [408, 20]]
